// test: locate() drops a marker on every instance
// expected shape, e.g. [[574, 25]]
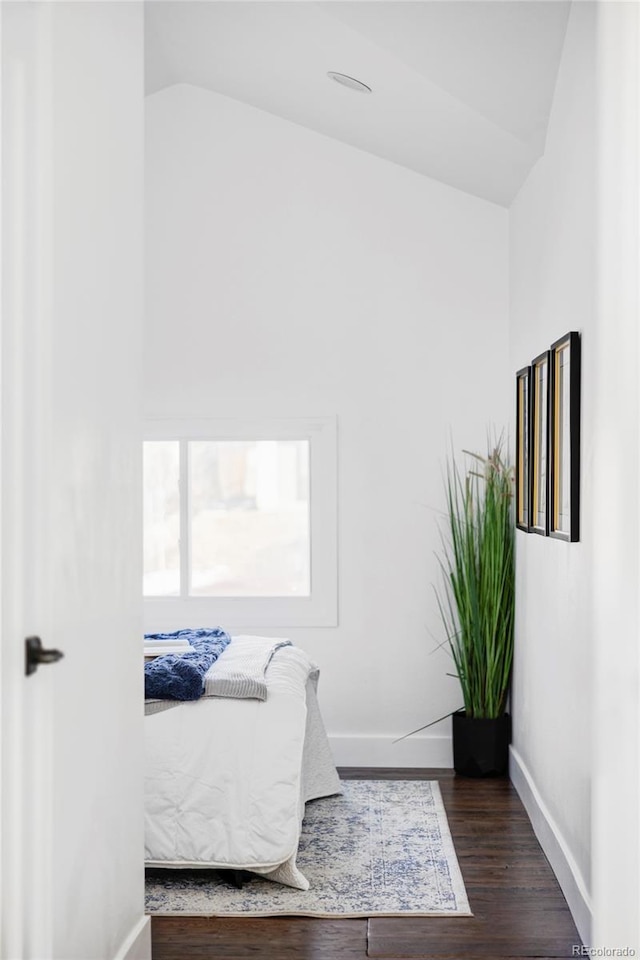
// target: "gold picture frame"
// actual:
[[539, 457], [564, 438]]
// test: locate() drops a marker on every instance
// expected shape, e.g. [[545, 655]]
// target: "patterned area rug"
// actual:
[[383, 848]]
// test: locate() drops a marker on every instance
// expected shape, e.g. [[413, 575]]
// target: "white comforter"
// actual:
[[224, 778]]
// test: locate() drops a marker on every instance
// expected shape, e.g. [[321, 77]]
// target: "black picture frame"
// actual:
[[523, 450], [564, 438], [539, 446]]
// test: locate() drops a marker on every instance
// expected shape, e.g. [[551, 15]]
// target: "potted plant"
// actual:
[[476, 604]]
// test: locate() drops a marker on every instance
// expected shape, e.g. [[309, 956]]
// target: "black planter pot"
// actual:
[[481, 747]]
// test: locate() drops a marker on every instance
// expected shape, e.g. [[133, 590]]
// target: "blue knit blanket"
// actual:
[[181, 676]]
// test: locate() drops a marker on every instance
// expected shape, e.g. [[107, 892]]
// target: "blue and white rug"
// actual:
[[383, 848]]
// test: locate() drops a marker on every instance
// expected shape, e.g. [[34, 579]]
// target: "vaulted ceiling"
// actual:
[[461, 89]]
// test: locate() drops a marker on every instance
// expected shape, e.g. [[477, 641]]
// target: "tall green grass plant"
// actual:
[[477, 599]]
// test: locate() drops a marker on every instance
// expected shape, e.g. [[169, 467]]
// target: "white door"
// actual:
[[71, 737]]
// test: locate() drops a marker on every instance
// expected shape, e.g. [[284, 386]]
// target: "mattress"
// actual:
[[226, 780]]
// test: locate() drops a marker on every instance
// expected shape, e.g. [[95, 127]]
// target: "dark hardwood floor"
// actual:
[[518, 907]]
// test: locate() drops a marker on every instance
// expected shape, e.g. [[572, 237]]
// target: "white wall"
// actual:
[[576, 623], [97, 285], [291, 275], [616, 700]]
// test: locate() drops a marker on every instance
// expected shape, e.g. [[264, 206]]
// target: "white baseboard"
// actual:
[[137, 945], [555, 847], [418, 751]]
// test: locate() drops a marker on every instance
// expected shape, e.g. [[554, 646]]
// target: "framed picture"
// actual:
[[564, 438], [539, 458], [523, 438]]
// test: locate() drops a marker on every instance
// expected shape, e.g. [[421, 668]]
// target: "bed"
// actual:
[[227, 778]]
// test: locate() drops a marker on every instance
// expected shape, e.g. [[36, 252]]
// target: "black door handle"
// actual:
[[35, 654]]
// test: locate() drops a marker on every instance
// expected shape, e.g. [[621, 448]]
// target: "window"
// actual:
[[232, 533]]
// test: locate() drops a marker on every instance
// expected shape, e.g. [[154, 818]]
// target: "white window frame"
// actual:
[[320, 609]]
